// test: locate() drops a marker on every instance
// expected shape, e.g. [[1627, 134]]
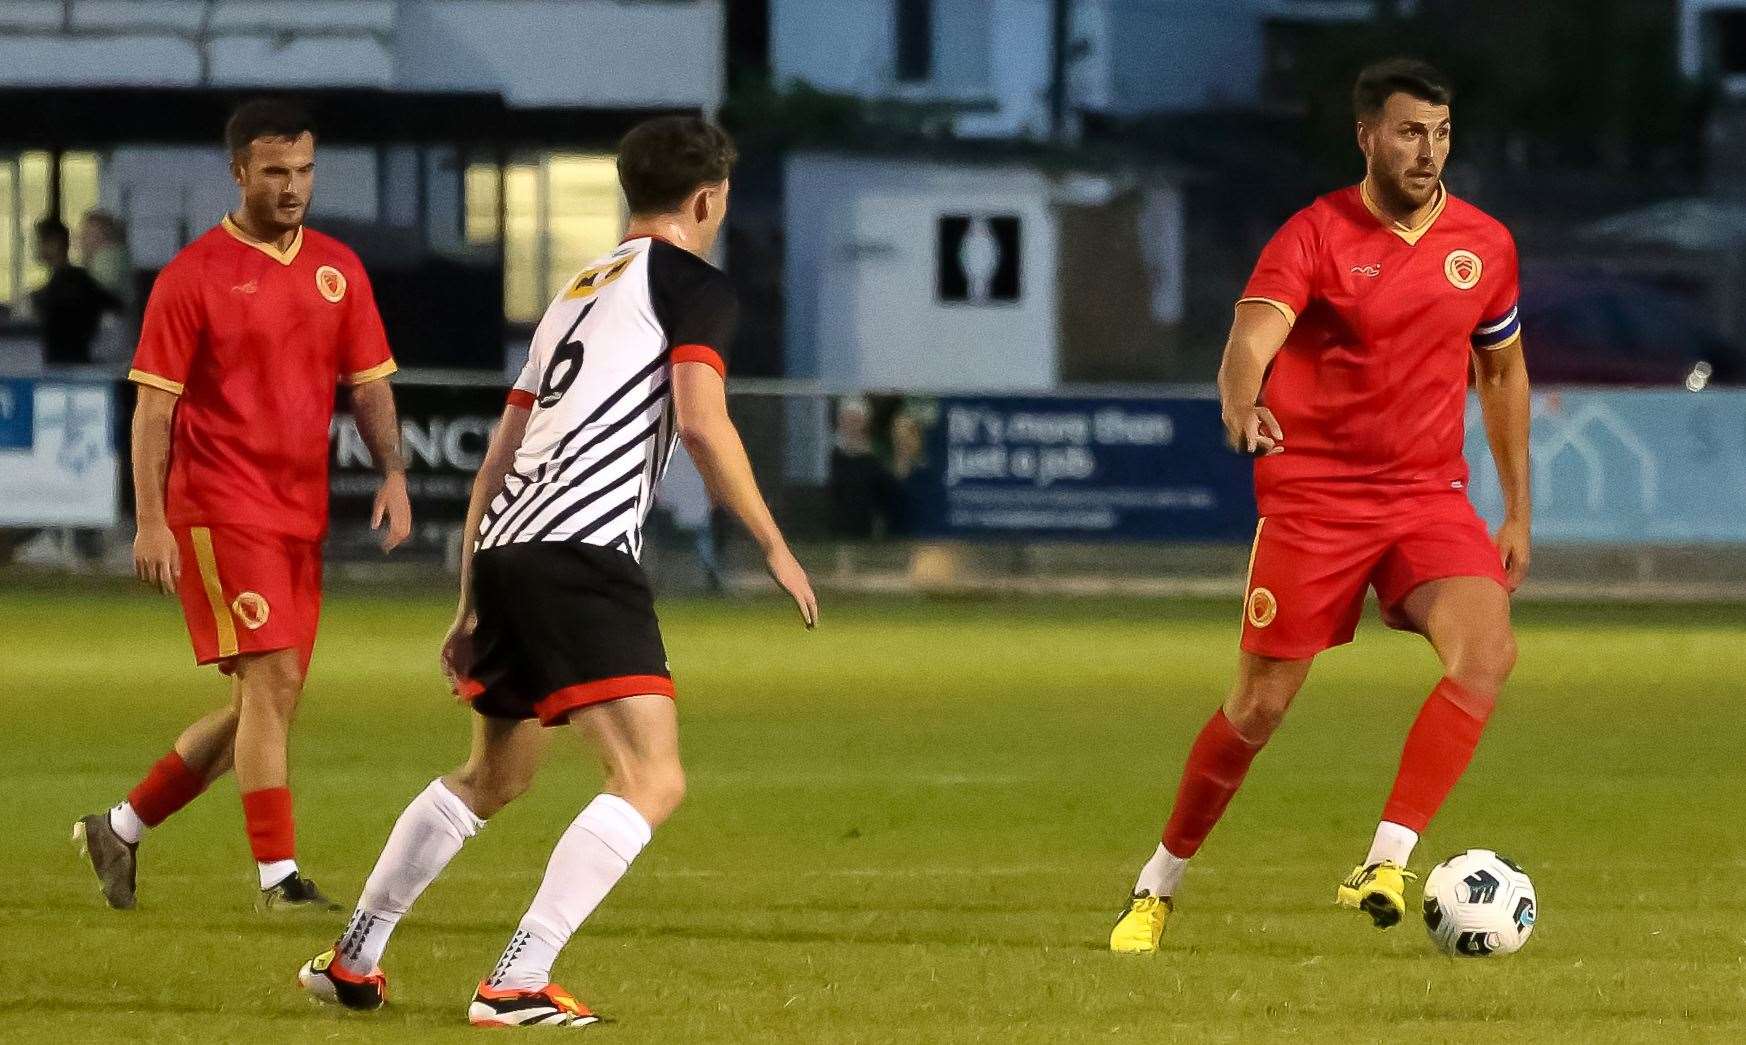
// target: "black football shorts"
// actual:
[[561, 626]]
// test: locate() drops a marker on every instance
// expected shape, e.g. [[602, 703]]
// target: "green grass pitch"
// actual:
[[914, 825]]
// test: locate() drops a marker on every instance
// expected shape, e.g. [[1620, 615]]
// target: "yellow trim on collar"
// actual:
[[283, 257], [1411, 233]]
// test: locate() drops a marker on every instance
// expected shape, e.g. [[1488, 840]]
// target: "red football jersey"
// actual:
[[1371, 384], [254, 340]]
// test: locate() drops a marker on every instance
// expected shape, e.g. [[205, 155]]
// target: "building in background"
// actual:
[[466, 143], [988, 67]]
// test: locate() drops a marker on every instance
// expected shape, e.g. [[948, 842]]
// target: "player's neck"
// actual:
[[280, 240], [677, 233], [1394, 211]]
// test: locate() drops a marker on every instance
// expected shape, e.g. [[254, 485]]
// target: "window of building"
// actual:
[[915, 40], [1727, 41], [560, 211], [29, 182]]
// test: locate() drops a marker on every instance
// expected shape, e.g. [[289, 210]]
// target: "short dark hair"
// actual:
[[53, 229], [1379, 82], [265, 118], [664, 160]]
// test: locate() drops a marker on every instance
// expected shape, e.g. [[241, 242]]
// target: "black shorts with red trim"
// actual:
[[561, 626]]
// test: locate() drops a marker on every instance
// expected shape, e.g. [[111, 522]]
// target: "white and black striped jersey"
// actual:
[[598, 381]]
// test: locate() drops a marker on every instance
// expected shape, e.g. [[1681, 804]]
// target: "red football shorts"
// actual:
[[248, 591], [1307, 574]]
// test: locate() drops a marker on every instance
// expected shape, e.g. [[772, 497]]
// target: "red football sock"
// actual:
[[272, 833], [1437, 751], [167, 787], [1216, 765]]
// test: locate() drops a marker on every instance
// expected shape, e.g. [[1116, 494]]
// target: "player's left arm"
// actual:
[[379, 424], [1502, 382], [365, 364], [1501, 377]]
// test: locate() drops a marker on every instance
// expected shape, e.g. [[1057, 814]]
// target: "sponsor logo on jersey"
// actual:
[[1367, 270], [331, 282], [252, 609], [245, 288], [1463, 268], [1263, 607], [591, 281]]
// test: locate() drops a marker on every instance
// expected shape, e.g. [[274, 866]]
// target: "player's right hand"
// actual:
[[156, 559], [786, 571], [1253, 430], [457, 651]]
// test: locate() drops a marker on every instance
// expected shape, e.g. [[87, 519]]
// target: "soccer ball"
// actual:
[[1479, 905]]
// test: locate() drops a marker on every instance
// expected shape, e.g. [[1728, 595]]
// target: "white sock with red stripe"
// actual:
[[425, 838], [593, 855]]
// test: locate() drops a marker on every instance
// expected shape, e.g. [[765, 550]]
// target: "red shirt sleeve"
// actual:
[[1501, 324], [169, 337], [364, 355], [1284, 277]]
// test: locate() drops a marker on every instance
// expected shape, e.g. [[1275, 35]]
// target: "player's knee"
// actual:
[[272, 681], [1485, 666], [486, 790], [655, 788], [1256, 713]]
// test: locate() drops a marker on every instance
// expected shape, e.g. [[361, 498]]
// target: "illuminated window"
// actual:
[[481, 204], [24, 201], [560, 211], [584, 218], [9, 239], [33, 200]]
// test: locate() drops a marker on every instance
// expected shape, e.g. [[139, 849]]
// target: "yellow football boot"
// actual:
[[1378, 890], [1139, 927]]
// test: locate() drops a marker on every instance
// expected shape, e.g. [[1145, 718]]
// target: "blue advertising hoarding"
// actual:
[[1083, 468], [1628, 466], [1610, 466]]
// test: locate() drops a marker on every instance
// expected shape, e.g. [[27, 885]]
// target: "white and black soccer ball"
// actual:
[[1479, 905]]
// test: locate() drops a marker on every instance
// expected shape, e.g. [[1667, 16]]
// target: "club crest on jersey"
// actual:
[[1263, 607], [331, 282], [1463, 268], [252, 609]]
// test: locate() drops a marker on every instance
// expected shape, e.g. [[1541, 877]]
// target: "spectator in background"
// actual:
[[103, 248], [102, 243], [863, 493], [70, 305]]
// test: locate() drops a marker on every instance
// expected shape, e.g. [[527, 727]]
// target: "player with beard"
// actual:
[[1346, 373], [247, 333]]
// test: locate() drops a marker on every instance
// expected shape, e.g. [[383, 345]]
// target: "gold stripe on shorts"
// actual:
[[202, 540], [1249, 575]]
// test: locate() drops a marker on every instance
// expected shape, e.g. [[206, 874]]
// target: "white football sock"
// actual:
[[275, 871], [126, 823], [595, 852], [1162, 874], [425, 838], [1393, 842]]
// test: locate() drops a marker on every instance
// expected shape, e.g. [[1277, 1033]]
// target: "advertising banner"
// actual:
[[1629, 466], [1081, 469], [58, 460]]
